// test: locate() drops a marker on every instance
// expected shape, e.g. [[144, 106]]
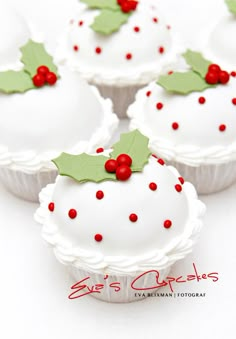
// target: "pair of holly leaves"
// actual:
[[33, 56]]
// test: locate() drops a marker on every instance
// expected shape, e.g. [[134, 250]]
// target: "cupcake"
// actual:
[[117, 215], [45, 111], [190, 118], [219, 46], [119, 46]]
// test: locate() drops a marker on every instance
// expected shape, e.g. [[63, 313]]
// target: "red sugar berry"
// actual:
[[126, 7], [136, 29], [43, 70], [123, 172], [148, 93], [120, 2], [223, 77], [175, 125], [99, 150], [98, 237], [38, 80], [214, 68], [124, 159], [178, 188], [99, 195], [234, 101], [222, 128], [133, 4], [51, 206], [98, 50], [51, 78], [111, 165], [76, 48], [167, 223], [181, 180], [128, 56], [159, 105], [72, 213], [161, 162], [153, 186], [133, 217], [212, 78], [233, 74], [161, 50], [201, 100]]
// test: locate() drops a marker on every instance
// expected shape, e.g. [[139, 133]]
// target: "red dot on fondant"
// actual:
[[153, 186], [98, 237], [136, 29], [76, 48], [99, 150], [168, 27], [233, 74], [181, 180], [81, 23], [161, 50], [178, 188], [129, 56], [133, 217], [201, 100], [170, 72], [72, 213], [161, 162], [148, 93], [51, 206], [155, 20], [99, 195], [159, 105], [175, 125], [167, 223], [222, 128], [234, 101], [154, 156], [98, 50]]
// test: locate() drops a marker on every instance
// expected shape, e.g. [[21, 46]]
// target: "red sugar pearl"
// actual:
[[168, 27], [161, 50], [98, 50], [72, 213], [133, 217], [99, 195], [38, 80], [51, 206], [153, 186], [233, 74], [161, 162], [123, 172], [43, 70], [170, 72], [76, 48], [178, 188], [223, 77], [51, 78], [98, 237], [159, 105], [99, 150], [148, 93], [155, 20], [201, 100], [136, 29], [222, 128], [129, 56], [111, 165], [124, 159], [81, 23], [181, 180], [154, 156], [175, 125], [234, 101], [167, 223]]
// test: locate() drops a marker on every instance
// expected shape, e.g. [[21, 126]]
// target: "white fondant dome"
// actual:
[[202, 132], [14, 34], [70, 115], [135, 53], [126, 245]]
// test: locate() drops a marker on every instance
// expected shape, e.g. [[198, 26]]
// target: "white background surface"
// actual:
[[34, 286]]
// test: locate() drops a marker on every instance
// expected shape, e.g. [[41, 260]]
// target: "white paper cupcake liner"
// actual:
[[208, 179], [117, 293], [121, 97], [24, 185]]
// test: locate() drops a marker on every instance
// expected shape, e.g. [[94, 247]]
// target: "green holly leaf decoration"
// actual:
[[101, 4], [109, 21], [135, 144], [197, 62], [231, 5], [35, 55], [83, 167], [183, 83], [15, 82]]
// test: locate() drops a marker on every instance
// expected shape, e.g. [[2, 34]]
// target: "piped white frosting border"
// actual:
[[188, 154], [32, 162], [158, 259]]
